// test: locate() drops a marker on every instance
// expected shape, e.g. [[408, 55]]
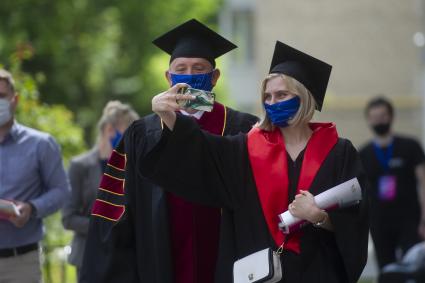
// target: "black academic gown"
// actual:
[[217, 171], [136, 247]]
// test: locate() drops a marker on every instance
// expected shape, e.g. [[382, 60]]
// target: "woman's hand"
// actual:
[[165, 104], [305, 208]]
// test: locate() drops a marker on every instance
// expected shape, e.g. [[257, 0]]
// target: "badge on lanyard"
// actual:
[[387, 188], [387, 183]]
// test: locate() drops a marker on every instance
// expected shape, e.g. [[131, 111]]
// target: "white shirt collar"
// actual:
[[197, 114]]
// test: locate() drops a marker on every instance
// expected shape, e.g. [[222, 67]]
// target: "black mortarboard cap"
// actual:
[[311, 72], [193, 39]]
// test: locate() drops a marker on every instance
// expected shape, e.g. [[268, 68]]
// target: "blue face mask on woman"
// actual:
[[115, 139], [198, 81], [282, 112]]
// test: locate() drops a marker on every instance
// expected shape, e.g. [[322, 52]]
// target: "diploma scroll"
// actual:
[[346, 194]]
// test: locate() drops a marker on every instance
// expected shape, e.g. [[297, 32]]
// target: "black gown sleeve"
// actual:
[[239, 122], [417, 153], [110, 255], [351, 227], [198, 166]]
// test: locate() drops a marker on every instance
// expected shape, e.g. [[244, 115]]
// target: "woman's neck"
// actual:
[[296, 139], [295, 135]]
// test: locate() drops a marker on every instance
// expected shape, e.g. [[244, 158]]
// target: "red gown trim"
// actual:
[[194, 228], [112, 184], [108, 210], [117, 160], [267, 155], [215, 121]]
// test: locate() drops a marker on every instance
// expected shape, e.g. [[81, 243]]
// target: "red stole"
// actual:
[[267, 154], [215, 121], [195, 228]]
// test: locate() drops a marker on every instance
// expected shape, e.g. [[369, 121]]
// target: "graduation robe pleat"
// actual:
[[129, 234], [217, 171]]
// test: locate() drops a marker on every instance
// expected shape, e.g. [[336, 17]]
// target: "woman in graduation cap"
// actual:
[[279, 165]]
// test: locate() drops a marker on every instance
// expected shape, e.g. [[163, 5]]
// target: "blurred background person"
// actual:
[[31, 176], [395, 166], [86, 170]]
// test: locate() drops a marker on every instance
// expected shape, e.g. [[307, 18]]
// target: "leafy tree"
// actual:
[[71, 56], [92, 51]]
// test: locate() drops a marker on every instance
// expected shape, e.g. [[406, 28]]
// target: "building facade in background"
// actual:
[[375, 47]]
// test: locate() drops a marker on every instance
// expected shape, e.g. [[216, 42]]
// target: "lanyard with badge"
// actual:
[[387, 183]]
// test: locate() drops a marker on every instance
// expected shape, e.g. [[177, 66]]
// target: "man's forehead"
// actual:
[[190, 61], [5, 89], [378, 110]]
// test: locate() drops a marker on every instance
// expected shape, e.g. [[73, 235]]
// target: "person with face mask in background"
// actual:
[[85, 172], [139, 232], [31, 176], [395, 166]]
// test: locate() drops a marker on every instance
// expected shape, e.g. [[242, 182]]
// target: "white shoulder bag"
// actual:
[[261, 267]]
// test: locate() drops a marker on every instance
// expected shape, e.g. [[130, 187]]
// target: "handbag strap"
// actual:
[[279, 251]]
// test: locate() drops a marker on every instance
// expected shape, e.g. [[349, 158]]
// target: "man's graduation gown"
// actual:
[[217, 171], [129, 235]]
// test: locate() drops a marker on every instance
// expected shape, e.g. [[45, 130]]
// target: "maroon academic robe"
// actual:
[[194, 228]]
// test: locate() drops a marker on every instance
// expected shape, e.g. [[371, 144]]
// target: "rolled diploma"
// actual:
[[346, 194]]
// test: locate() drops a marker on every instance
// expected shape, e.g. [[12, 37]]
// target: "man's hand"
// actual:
[[25, 210], [165, 104]]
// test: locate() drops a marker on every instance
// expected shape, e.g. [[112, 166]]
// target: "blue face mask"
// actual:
[[115, 139], [280, 113], [199, 81]]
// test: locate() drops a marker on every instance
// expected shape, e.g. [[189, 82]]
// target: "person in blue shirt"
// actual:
[[32, 176]]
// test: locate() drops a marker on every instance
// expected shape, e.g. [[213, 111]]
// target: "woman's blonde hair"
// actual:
[[307, 103], [117, 113]]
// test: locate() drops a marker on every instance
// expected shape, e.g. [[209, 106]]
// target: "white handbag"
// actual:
[[261, 267]]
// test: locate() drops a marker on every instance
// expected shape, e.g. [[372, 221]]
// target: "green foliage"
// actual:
[[82, 53], [94, 51]]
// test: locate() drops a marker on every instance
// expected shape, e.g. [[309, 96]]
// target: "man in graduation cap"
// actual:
[[278, 166], [139, 232]]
